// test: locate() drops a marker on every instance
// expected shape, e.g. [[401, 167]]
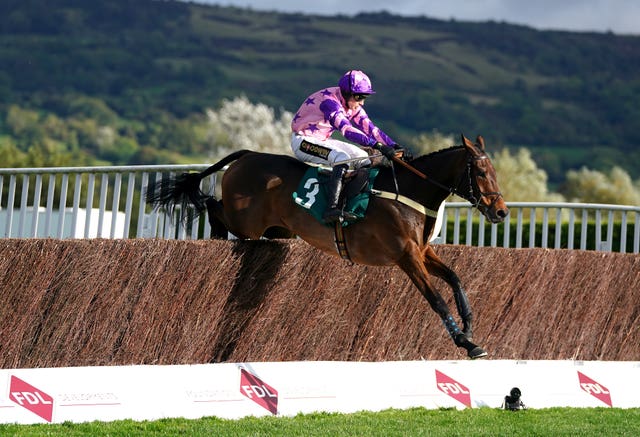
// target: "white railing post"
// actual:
[[89, 205], [571, 235], [76, 203], [636, 234], [63, 204], [532, 228], [598, 229], [144, 181], [36, 205], [558, 233], [519, 229], [10, 200], [131, 182], [48, 222], [23, 205], [115, 204]]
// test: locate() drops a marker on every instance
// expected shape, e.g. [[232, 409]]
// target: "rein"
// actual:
[[471, 198]]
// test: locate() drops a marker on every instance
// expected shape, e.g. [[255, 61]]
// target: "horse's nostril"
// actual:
[[502, 213]]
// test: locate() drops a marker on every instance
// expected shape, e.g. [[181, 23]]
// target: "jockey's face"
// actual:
[[356, 100]]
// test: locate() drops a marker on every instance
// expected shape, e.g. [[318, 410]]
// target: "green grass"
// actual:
[[581, 422]]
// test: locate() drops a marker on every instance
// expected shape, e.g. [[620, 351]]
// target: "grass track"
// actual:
[[581, 422]]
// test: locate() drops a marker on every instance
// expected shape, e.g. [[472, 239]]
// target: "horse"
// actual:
[[257, 201]]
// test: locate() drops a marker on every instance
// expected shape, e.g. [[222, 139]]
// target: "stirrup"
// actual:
[[336, 215], [333, 215], [349, 216]]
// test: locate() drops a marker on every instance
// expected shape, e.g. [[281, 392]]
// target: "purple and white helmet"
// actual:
[[355, 82]]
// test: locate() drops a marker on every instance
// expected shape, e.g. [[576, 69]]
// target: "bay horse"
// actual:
[[257, 200]]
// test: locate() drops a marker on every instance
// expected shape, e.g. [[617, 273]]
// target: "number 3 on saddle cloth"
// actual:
[[311, 192]]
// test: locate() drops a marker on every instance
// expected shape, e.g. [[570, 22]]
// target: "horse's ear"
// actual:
[[480, 142], [465, 141]]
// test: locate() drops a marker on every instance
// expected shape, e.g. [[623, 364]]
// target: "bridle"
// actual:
[[471, 197]]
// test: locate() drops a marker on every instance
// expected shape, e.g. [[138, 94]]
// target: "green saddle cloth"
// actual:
[[311, 195]]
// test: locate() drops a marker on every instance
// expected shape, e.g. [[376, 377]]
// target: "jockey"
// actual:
[[338, 108]]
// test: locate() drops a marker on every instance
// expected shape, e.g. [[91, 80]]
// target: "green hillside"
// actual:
[[572, 98]]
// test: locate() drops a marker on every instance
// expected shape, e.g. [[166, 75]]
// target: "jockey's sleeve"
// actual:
[[334, 113], [364, 123]]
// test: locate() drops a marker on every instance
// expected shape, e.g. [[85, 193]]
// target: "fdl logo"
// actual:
[[595, 389], [31, 398], [453, 388], [259, 391]]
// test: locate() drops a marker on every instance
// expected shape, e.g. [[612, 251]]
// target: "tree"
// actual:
[[239, 124], [24, 125], [592, 186], [520, 178], [430, 142], [11, 155]]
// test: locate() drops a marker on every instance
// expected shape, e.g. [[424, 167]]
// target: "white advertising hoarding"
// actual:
[[227, 390]]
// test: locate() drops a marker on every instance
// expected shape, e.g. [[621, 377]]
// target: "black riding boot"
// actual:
[[333, 213]]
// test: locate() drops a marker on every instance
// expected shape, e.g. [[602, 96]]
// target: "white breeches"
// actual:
[[329, 151]]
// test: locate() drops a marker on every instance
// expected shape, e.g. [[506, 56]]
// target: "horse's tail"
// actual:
[[184, 190]]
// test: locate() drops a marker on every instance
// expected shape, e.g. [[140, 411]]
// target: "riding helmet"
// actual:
[[355, 82]]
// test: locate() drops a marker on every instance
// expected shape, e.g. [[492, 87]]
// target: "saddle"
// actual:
[[311, 193]]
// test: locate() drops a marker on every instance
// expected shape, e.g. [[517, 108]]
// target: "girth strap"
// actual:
[[341, 242]]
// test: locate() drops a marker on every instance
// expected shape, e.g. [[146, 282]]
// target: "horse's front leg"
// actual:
[[436, 267], [412, 264]]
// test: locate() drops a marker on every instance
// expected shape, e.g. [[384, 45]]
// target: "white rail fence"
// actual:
[[89, 202], [557, 225], [108, 202]]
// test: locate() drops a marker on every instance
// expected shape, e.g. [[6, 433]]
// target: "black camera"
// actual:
[[512, 401]]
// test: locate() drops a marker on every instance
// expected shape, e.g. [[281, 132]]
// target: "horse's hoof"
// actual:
[[477, 352]]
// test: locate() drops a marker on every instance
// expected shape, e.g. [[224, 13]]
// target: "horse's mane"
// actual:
[[438, 152]]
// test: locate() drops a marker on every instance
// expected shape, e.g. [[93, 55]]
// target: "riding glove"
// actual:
[[406, 153], [387, 151]]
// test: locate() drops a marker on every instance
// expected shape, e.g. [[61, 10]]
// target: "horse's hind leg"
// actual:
[[436, 267], [412, 264], [214, 212]]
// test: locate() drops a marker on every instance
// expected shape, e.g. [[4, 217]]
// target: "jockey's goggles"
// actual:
[[360, 97]]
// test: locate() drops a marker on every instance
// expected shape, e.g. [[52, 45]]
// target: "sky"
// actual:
[[617, 16]]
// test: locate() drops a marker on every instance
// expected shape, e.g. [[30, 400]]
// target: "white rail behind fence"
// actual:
[[89, 202], [554, 225], [108, 202]]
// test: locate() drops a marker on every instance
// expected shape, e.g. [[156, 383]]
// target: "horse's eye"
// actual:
[[481, 174]]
